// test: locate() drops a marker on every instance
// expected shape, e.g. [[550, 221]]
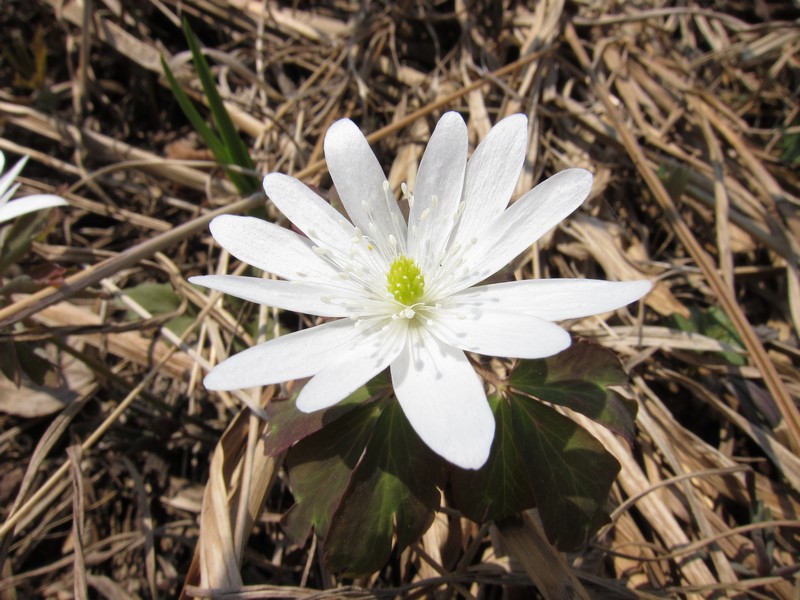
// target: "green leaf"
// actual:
[[320, 466], [393, 488], [229, 149], [714, 323], [540, 459], [18, 238], [571, 475], [160, 299], [502, 486], [362, 477], [579, 378], [235, 149], [156, 298], [26, 357], [288, 425], [195, 118], [675, 179], [790, 148]]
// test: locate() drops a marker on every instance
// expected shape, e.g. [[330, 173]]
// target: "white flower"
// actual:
[[404, 289], [21, 206]]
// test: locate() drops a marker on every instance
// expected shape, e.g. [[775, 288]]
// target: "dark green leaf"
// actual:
[[288, 425], [320, 466], [394, 485], [790, 148], [570, 471], [19, 238], [501, 487], [541, 459], [579, 378], [27, 357]]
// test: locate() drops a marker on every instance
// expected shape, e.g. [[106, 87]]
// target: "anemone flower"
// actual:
[[403, 291], [21, 206]]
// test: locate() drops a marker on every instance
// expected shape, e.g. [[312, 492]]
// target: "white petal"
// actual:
[[310, 213], [443, 399], [492, 174], [271, 248], [7, 178], [495, 332], [369, 356], [8, 194], [299, 354], [310, 298], [29, 204], [437, 192], [556, 299], [359, 180], [524, 222]]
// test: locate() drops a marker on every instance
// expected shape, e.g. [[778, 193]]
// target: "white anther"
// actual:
[[425, 214]]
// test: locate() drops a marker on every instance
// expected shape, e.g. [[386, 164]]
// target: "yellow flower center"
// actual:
[[405, 281]]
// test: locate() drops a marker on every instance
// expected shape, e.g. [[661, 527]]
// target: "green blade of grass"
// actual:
[[195, 118], [236, 149]]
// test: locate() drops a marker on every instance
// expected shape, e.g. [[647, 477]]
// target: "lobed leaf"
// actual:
[[580, 378], [320, 466], [540, 459], [501, 487], [393, 488], [288, 425]]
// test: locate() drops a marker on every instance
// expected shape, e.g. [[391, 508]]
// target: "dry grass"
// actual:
[[131, 480]]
